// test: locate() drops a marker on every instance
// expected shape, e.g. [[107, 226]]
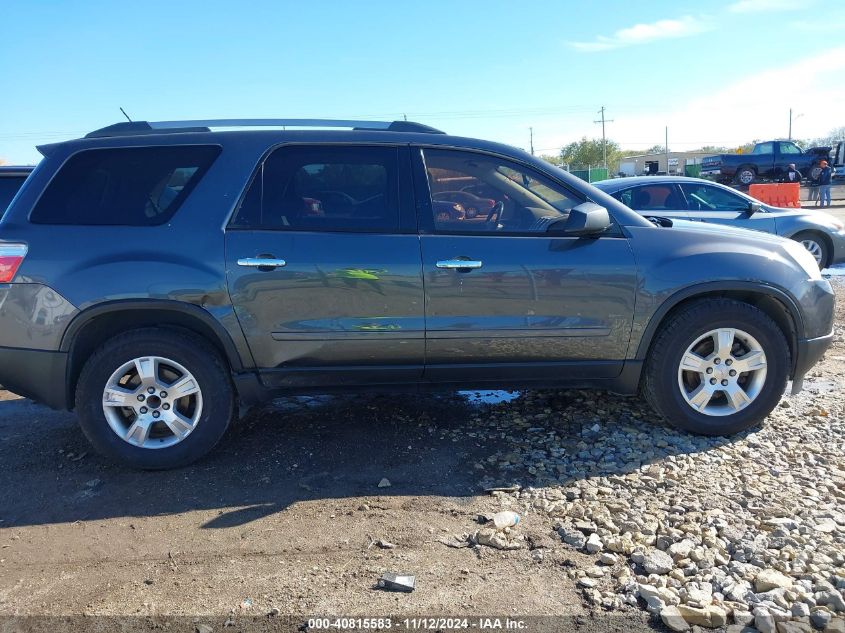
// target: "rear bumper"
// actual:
[[35, 374], [807, 353]]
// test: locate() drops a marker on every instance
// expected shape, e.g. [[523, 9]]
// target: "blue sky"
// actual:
[[716, 73]]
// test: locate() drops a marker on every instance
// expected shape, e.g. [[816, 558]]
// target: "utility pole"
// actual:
[[666, 147], [603, 137], [531, 133], [790, 124]]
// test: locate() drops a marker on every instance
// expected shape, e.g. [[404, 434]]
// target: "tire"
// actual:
[[181, 361], [817, 245], [745, 175], [664, 380]]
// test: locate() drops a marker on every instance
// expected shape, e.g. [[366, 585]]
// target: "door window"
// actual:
[[323, 188], [477, 193], [764, 148], [710, 198], [789, 148], [653, 197]]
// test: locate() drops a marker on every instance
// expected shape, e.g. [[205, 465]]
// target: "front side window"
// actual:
[[324, 188], [764, 148], [710, 198], [656, 197], [789, 148], [131, 186], [478, 193]]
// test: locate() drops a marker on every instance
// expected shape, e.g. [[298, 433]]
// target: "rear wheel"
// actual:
[[816, 245], [155, 399], [746, 175], [717, 367]]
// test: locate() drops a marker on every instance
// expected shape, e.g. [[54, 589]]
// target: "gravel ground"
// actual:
[[626, 524]]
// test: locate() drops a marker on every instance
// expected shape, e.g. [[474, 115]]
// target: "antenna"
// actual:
[[126, 115]]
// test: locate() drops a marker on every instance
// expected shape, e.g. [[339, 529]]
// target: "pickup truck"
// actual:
[[767, 161]]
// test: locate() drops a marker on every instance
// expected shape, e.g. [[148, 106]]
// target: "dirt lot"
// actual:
[[285, 513]]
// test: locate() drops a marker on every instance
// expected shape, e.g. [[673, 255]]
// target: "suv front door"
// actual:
[[711, 203], [340, 300], [506, 298]]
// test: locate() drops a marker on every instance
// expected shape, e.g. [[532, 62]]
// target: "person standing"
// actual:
[[825, 177], [791, 174]]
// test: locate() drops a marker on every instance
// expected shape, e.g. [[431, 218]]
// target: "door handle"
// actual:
[[459, 264], [261, 262]]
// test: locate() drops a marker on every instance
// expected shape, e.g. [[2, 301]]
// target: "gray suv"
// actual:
[[156, 276]]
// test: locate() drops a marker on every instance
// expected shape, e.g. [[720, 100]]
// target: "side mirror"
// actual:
[[587, 218], [753, 207]]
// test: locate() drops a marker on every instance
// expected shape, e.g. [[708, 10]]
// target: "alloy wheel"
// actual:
[[152, 402], [722, 372]]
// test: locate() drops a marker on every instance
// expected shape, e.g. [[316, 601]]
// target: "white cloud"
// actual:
[[762, 6], [753, 107], [645, 33]]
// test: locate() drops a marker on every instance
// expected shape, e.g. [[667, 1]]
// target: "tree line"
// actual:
[[590, 152]]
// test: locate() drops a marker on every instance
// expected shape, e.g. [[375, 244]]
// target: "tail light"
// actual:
[[11, 256]]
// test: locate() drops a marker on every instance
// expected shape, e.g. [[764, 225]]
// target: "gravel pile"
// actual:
[[738, 532]]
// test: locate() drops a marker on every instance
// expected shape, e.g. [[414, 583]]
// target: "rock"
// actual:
[[203, 628], [681, 549], [765, 622], [794, 627], [608, 559], [820, 618], [711, 616], [496, 539], [657, 562], [832, 599], [574, 538], [587, 582], [673, 619], [384, 483], [769, 579], [837, 625], [594, 544], [825, 526], [743, 618], [800, 610]]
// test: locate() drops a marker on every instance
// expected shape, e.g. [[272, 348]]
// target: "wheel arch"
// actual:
[[91, 327], [776, 303]]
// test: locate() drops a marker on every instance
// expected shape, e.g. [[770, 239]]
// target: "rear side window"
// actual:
[[324, 188], [657, 197], [137, 186]]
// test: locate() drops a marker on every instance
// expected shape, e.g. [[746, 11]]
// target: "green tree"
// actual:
[[656, 149], [590, 152]]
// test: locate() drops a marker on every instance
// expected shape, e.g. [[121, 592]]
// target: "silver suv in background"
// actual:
[[705, 201]]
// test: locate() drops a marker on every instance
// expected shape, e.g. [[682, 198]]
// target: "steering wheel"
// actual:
[[496, 211]]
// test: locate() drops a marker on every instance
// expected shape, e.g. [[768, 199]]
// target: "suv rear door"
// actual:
[[341, 299], [505, 298]]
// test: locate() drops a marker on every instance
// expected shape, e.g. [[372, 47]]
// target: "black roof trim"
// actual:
[[140, 128]]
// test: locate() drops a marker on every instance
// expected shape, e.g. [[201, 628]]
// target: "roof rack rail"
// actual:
[[133, 128]]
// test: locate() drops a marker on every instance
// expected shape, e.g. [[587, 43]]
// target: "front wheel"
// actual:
[[154, 399], [815, 245], [717, 367]]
